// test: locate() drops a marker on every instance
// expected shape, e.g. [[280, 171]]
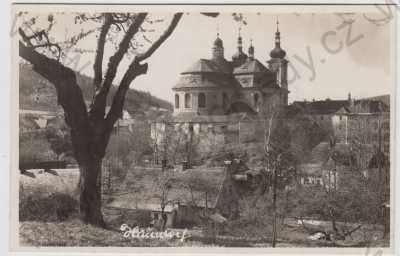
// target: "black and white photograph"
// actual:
[[203, 127]]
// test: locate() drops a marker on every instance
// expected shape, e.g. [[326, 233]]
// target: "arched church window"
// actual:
[[176, 100], [202, 100], [225, 100], [188, 103]]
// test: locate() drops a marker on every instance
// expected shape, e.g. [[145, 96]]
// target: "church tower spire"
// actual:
[[218, 48], [239, 57], [277, 52], [239, 41], [251, 50], [279, 65]]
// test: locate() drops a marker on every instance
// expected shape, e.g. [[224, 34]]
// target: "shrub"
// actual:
[[56, 207]]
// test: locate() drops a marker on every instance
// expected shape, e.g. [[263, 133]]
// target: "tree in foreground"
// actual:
[[91, 126]]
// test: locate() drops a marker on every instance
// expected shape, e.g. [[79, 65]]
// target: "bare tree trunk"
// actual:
[[90, 193], [88, 144]]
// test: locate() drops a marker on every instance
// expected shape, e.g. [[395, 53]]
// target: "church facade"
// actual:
[[221, 102], [217, 86]]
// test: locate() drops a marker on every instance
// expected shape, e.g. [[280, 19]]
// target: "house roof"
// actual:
[[28, 123], [324, 107], [251, 66], [44, 184], [310, 169], [142, 188], [192, 117]]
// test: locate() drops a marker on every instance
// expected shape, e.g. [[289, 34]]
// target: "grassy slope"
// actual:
[[74, 233]]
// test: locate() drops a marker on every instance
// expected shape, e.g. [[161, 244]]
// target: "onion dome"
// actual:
[[218, 49], [218, 42], [277, 52]]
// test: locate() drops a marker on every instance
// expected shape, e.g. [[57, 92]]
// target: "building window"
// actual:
[[202, 100], [256, 99], [188, 103], [225, 100], [340, 117], [176, 101]]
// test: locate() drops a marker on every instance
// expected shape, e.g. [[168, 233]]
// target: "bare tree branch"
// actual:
[[135, 69], [97, 108], [25, 38], [163, 37], [98, 62]]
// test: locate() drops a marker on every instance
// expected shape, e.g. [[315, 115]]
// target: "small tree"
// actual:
[[164, 184], [279, 162]]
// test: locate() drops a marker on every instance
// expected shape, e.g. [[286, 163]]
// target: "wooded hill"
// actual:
[[36, 93]]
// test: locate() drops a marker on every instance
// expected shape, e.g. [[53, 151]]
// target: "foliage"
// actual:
[[34, 147], [58, 135], [56, 207]]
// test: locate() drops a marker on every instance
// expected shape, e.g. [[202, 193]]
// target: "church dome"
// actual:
[[277, 52], [218, 42], [239, 55]]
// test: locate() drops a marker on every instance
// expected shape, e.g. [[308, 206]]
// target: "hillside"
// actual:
[[384, 98], [36, 93]]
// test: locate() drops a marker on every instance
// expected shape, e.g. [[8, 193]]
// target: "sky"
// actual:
[[318, 69]]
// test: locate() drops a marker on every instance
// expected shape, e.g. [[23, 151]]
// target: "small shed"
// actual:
[[182, 198]]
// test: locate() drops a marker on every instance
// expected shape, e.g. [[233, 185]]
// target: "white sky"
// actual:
[[363, 68]]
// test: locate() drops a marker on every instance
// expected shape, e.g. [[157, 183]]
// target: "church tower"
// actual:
[[218, 49], [239, 57], [279, 64], [251, 50]]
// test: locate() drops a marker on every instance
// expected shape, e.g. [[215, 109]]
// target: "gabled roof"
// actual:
[[324, 107], [251, 67], [141, 188]]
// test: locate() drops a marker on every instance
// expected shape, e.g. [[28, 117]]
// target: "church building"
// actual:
[[220, 102], [217, 86]]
